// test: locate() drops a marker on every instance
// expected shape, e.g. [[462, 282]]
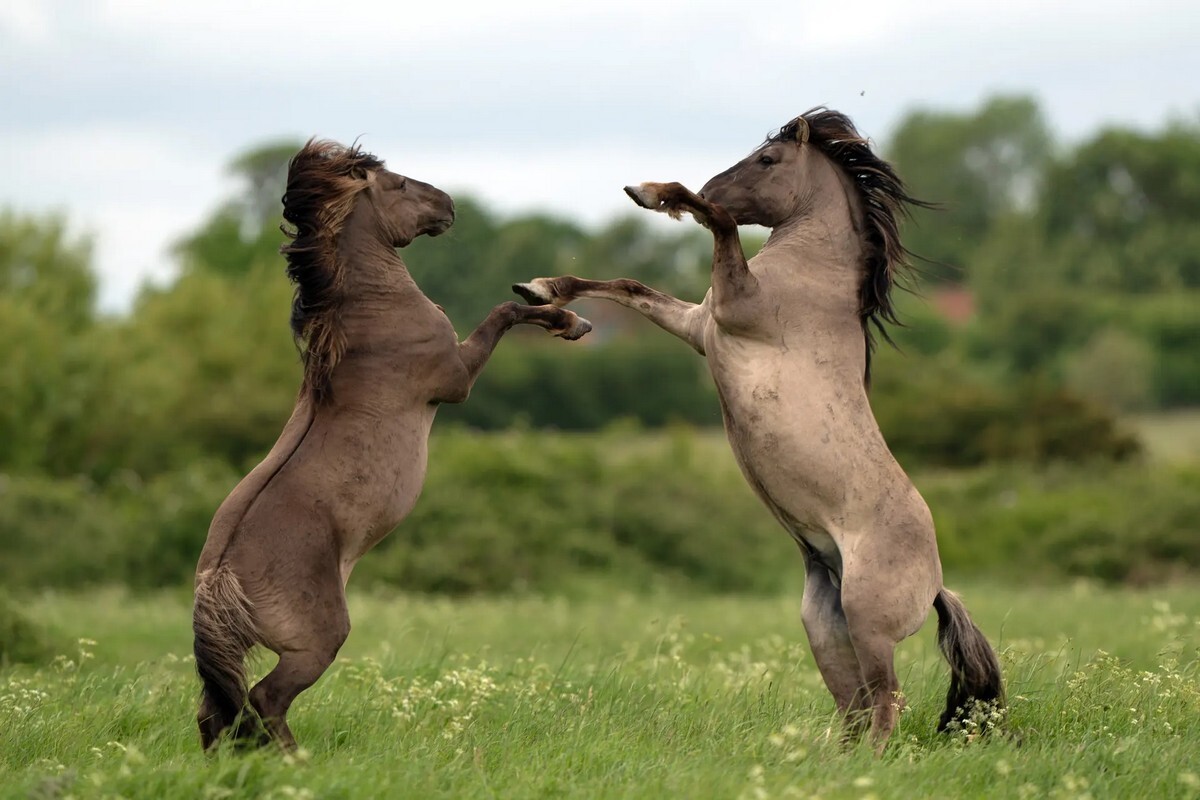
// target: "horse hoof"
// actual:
[[644, 197], [578, 330], [534, 293]]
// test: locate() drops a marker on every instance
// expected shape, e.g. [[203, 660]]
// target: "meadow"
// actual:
[[614, 694]]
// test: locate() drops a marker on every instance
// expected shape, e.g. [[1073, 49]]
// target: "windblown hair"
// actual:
[[885, 203], [323, 180]]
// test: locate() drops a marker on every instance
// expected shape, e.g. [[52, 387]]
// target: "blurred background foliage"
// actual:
[[1059, 296]]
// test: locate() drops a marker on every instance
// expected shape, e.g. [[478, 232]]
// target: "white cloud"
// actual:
[[25, 21]]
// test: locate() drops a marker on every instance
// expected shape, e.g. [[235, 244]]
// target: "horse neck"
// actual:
[[371, 268], [378, 297], [822, 244]]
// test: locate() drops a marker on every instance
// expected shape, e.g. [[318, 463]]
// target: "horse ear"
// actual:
[[802, 130]]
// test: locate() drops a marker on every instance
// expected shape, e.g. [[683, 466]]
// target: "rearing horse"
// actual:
[[788, 341], [379, 357]]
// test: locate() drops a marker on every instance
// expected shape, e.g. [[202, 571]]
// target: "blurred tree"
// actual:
[[1123, 205], [263, 171], [208, 370], [47, 343], [41, 267], [244, 231], [979, 166]]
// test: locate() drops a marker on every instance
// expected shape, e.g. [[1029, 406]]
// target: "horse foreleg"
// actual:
[[677, 317], [477, 348], [731, 276]]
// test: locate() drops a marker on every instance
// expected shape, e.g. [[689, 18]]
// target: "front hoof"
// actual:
[[537, 292], [643, 195], [578, 329]]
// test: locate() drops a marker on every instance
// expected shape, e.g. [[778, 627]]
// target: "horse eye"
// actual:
[[766, 160]]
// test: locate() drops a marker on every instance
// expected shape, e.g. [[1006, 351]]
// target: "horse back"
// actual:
[[235, 507]]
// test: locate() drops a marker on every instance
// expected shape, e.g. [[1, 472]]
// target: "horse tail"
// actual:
[[974, 667], [224, 629]]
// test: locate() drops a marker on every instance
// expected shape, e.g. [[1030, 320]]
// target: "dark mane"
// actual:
[[884, 202], [323, 180]]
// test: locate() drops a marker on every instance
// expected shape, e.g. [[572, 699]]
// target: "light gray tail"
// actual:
[[974, 668], [224, 629]]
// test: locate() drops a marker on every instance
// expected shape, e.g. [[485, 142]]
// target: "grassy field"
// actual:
[[614, 696]]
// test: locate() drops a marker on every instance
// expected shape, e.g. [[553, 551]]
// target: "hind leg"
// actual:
[[307, 633], [829, 636], [274, 695], [882, 609]]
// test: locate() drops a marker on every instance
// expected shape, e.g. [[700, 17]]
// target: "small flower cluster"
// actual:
[[20, 698], [980, 719]]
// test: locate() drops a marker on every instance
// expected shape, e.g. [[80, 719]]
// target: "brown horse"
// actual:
[[788, 341], [379, 357]]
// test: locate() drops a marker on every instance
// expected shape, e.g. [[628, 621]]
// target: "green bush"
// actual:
[[20, 639], [1114, 523], [551, 512], [933, 412], [530, 510], [73, 532]]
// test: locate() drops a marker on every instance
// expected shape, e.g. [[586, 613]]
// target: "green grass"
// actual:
[[614, 695]]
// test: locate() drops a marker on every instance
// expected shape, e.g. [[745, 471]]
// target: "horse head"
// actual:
[[406, 208], [767, 187]]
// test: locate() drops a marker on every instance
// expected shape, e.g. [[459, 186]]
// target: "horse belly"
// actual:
[[795, 446], [379, 486]]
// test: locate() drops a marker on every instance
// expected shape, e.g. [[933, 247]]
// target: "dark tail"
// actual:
[[974, 668], [223, 624]]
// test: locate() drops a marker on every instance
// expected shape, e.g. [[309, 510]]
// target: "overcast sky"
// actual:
[[125, 114]]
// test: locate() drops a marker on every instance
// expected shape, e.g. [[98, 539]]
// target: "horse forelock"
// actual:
[[884, 202], [323, 180]]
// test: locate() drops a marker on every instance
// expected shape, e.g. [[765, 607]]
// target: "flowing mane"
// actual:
[[885, 203], [323, 179]]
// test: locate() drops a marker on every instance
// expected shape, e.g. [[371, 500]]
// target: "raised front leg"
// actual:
[[731, 276], [675, 316], [477, 348]]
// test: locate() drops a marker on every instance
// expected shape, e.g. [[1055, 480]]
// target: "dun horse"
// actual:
[[379, 357], [788, 340]]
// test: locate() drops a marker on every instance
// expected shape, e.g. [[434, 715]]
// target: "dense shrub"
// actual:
[[1113, 523], [543, 512], [933, 412], [74, 532], [21, 640]]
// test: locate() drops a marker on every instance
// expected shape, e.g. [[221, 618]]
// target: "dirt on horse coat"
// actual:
[[788, 339], [379, 357]]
